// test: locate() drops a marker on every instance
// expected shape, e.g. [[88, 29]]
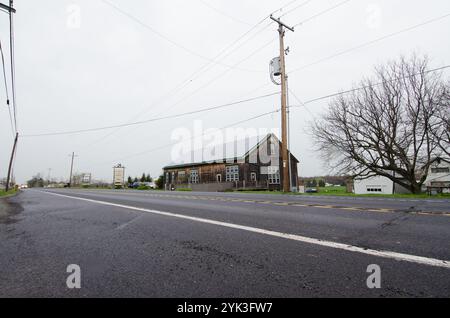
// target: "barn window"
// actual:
[[253, 176], [274, 175], [232, 173], [194, 176], [219, 178]]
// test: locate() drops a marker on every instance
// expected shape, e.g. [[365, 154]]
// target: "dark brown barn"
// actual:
[[258, 168]]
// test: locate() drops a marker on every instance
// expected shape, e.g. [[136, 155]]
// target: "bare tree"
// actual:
[[441, 125], [386, 128]]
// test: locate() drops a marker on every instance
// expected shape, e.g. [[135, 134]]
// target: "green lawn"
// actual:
[[4, 193], [341, 191]]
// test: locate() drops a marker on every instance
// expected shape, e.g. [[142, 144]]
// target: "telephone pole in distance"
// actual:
[[71, 169]]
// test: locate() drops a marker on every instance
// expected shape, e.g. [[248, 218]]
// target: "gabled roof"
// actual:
[[238, 158]]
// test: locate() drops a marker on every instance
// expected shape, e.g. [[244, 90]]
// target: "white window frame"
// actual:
[[194, 176], [232, 173], [274, 175], [253, 176], [438, 170]]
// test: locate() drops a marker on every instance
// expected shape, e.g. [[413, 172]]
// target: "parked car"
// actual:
[[311, 190], [151, 185], [135, 185]]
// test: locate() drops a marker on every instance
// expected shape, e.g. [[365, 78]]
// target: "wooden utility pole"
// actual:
[[11, 10], [71, 170], [8, 178], [284, 137]]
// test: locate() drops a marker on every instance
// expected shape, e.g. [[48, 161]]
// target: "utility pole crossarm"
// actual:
[[7, 8], [282, 23]]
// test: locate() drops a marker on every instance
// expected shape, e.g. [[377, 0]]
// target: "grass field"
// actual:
[[4, 193], [341, 191]]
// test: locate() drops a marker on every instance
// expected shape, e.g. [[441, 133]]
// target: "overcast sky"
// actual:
[[84, 64]]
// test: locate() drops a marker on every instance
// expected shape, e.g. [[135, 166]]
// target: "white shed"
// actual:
[[374, 185]]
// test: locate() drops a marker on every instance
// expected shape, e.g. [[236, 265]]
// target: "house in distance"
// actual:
[[256, 168]]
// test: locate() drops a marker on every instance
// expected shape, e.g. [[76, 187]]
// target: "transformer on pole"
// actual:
[[279, 69]]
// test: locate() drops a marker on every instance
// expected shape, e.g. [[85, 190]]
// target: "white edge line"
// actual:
[[384, 254]]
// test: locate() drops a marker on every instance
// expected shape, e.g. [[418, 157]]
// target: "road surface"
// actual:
[[161, 244]]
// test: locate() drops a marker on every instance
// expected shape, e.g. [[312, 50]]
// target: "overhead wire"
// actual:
[[166, 38], [368, 43], [205, 3], [13, 69], [196, 136], [7, 90], [322, 13], [79, 131], [200, 71]]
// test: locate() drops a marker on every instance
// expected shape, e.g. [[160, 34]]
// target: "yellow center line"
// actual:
[[293, 204]]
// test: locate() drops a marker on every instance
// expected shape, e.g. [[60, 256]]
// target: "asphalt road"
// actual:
[[160, 244]]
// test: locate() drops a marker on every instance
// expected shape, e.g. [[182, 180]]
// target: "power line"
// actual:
[[223, 13], [301, 23], [193, 76], [209, 83], [13, 69], [296, 8], [369, 86], [365, 44], [190, 79], [197, 90], [6, 89], [278, 110], [72, 132], [203, 69], [167, 39], [283, 7], [197, 136], [4, 73], [322, 13], [303, 104]]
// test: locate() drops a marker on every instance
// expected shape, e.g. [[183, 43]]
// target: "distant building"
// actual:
[[86, 178], [258, 168], [373, 185], [118, 176], [378, 185], [438, 180]]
